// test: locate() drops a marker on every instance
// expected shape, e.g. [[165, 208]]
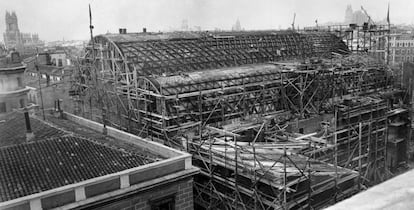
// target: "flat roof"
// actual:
[[396, 193]]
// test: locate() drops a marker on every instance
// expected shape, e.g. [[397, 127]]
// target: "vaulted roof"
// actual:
[[172, 53]]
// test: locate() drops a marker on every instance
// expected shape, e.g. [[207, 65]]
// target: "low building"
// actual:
[[13, 92], [52, 57], [54, 80], [70, 164]]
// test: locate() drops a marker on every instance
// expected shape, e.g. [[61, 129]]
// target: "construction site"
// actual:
[[274, 119]]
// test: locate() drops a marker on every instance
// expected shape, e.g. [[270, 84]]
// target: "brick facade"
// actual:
[[181, 191]]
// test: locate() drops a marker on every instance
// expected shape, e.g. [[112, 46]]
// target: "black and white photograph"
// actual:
[[206, 104]]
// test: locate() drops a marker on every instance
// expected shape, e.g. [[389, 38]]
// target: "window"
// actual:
[[60, 62], [19, 81], [2, 107], [21, 103], [165, 203]]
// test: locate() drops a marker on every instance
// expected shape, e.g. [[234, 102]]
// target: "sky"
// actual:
[[69, 19]]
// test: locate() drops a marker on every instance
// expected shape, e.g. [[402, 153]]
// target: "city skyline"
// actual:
[[57, 20]]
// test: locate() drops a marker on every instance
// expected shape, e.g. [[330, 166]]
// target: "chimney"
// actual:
[[122, 31], [144, 30], [29, 132], [15, 57], [59, 102]]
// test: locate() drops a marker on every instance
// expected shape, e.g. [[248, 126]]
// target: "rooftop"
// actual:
[[61, 153], [47, 164], [172, 53], [396, 193], [11, 62], [13, 127]]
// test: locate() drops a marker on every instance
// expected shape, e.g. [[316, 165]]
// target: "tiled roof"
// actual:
[[13, 129], [43, 165]]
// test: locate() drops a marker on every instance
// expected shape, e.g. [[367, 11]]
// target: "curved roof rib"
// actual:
[[154, 54]]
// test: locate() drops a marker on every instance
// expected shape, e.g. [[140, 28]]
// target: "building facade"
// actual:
[[13, 38], [402, 49], [13, 93], [358, 17]]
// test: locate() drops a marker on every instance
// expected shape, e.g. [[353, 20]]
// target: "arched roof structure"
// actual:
[[152, 54]]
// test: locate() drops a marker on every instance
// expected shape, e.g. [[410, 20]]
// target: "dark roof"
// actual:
[[169, 54], [250, 73], [13, 129], [60, 154], [43, 165]]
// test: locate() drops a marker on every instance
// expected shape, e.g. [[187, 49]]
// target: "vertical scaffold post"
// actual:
[[309, 180], [210, 170], [284, 179], [254, 177], [359, 155], [236, 193], [336, 151]]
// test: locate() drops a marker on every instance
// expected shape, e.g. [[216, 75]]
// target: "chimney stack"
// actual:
[[29, 132], [144, 30], [122, 31]]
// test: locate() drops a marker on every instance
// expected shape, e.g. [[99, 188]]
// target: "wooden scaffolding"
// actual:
[[172, 88]]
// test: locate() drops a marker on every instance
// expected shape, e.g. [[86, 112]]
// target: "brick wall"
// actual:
[[181, 191]]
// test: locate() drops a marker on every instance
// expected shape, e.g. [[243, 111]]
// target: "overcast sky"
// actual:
[[69, 19]]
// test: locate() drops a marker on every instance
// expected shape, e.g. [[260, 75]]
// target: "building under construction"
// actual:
[[275, 119]]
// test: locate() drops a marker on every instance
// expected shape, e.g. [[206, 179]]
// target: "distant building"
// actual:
[[184, 25], [358, 17], [401, 49], [58, 58], [12, 36], [13, 92], [349, 14], [237, 26], [52, 70], [14, 39]]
